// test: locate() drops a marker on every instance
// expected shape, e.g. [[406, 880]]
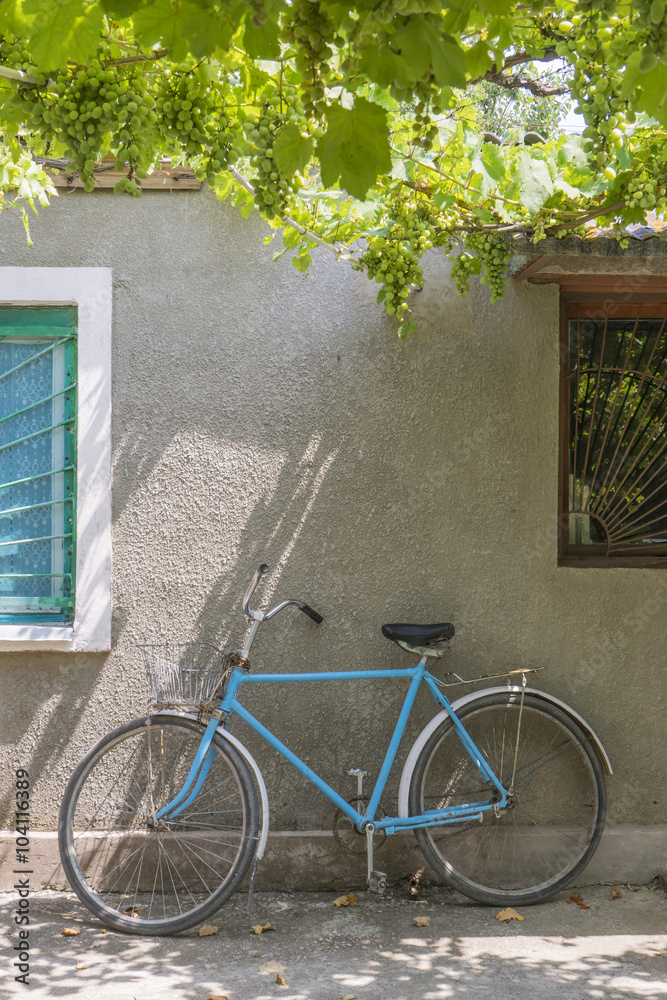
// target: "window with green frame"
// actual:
[[38, 442]]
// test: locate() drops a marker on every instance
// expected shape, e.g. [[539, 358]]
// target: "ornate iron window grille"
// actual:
[[614, 495], [38, 441]]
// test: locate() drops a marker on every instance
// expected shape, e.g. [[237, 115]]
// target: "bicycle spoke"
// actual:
[[549, 822], [126, 864]]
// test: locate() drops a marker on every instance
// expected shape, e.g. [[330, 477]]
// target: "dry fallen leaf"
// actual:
[[509, 914], [349, 899], [216, 996], [131, 911], [614, 894], [422, 921], [348, 996], [207, 930], [104, 931], [71, 931], [258, 928], [272, 967], [281, 980], [79, 967]]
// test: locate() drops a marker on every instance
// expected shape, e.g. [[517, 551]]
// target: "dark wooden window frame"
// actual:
[[617, 293]]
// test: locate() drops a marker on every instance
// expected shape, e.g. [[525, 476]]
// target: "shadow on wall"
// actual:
[[286, 512], [39, 697], [244, 505]]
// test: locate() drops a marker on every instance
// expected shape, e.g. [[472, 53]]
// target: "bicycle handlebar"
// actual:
[[315, 615], [261, 616], [247, 610]]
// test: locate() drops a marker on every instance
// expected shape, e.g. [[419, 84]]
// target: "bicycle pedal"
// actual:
[[377, 882]]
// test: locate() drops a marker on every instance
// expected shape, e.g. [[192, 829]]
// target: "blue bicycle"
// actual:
[[504, 789]]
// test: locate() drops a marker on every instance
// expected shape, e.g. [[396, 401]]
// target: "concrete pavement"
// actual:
[[614, 949]]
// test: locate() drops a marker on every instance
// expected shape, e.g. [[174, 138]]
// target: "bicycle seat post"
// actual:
[[359, 774]]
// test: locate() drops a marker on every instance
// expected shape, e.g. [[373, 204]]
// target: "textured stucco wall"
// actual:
[[261, 415]]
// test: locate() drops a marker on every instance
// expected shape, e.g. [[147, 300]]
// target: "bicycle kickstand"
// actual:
[[377, 881]]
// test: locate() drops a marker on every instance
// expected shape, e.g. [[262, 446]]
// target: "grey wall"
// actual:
[[263, 415]]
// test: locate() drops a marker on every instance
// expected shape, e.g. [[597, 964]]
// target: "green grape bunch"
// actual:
[[274, 189], [196, 118], [392, 259], [313, 34], [609, 56], [488, 253], [89, 112]]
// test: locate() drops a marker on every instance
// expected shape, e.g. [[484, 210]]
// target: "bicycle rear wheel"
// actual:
[[549, 832], [148, 879]]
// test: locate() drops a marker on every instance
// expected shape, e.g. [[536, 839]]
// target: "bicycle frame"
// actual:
[[230, 706]]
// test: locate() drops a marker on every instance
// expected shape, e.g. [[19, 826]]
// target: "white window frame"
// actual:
[[90, 289]]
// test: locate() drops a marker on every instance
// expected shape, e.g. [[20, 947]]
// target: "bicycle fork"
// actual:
[[194, 781]]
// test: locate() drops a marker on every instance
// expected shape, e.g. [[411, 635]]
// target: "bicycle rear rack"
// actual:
[[446, 682]]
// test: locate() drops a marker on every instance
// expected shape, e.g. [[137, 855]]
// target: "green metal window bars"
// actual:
[[38, 441]]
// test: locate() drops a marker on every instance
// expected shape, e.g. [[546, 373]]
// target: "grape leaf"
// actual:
[[489, 162], [422, 47], [223, 186], [384, 66], [182, 28], [165, 23], [291, 149], [532, 180], [13, 19], [302, 262], [68, 29], [652, 97], [205, 30], [355, 147], [413, 47], [447, 59], [291, 237], [478, 60], [262, 42], [121, 8]]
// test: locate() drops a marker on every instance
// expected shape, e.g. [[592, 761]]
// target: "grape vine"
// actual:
[[347, 125]]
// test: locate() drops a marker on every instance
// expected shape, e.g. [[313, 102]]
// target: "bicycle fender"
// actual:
[[250, 760], [422, 739], [263, 794]]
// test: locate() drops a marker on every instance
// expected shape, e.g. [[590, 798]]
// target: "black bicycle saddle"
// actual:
[[419, 635]]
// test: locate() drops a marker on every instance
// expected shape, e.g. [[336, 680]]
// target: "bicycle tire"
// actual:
[[148, 880], [537, 846]]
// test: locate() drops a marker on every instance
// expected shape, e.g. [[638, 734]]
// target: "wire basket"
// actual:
[[186, 675]]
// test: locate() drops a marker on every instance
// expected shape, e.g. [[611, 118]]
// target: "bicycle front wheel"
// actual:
[[156, 878], [551, 828]]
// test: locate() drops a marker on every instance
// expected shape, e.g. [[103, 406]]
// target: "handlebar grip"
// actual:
[[307, 610]]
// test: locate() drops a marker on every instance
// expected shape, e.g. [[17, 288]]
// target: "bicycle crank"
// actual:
[[346, 834]]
